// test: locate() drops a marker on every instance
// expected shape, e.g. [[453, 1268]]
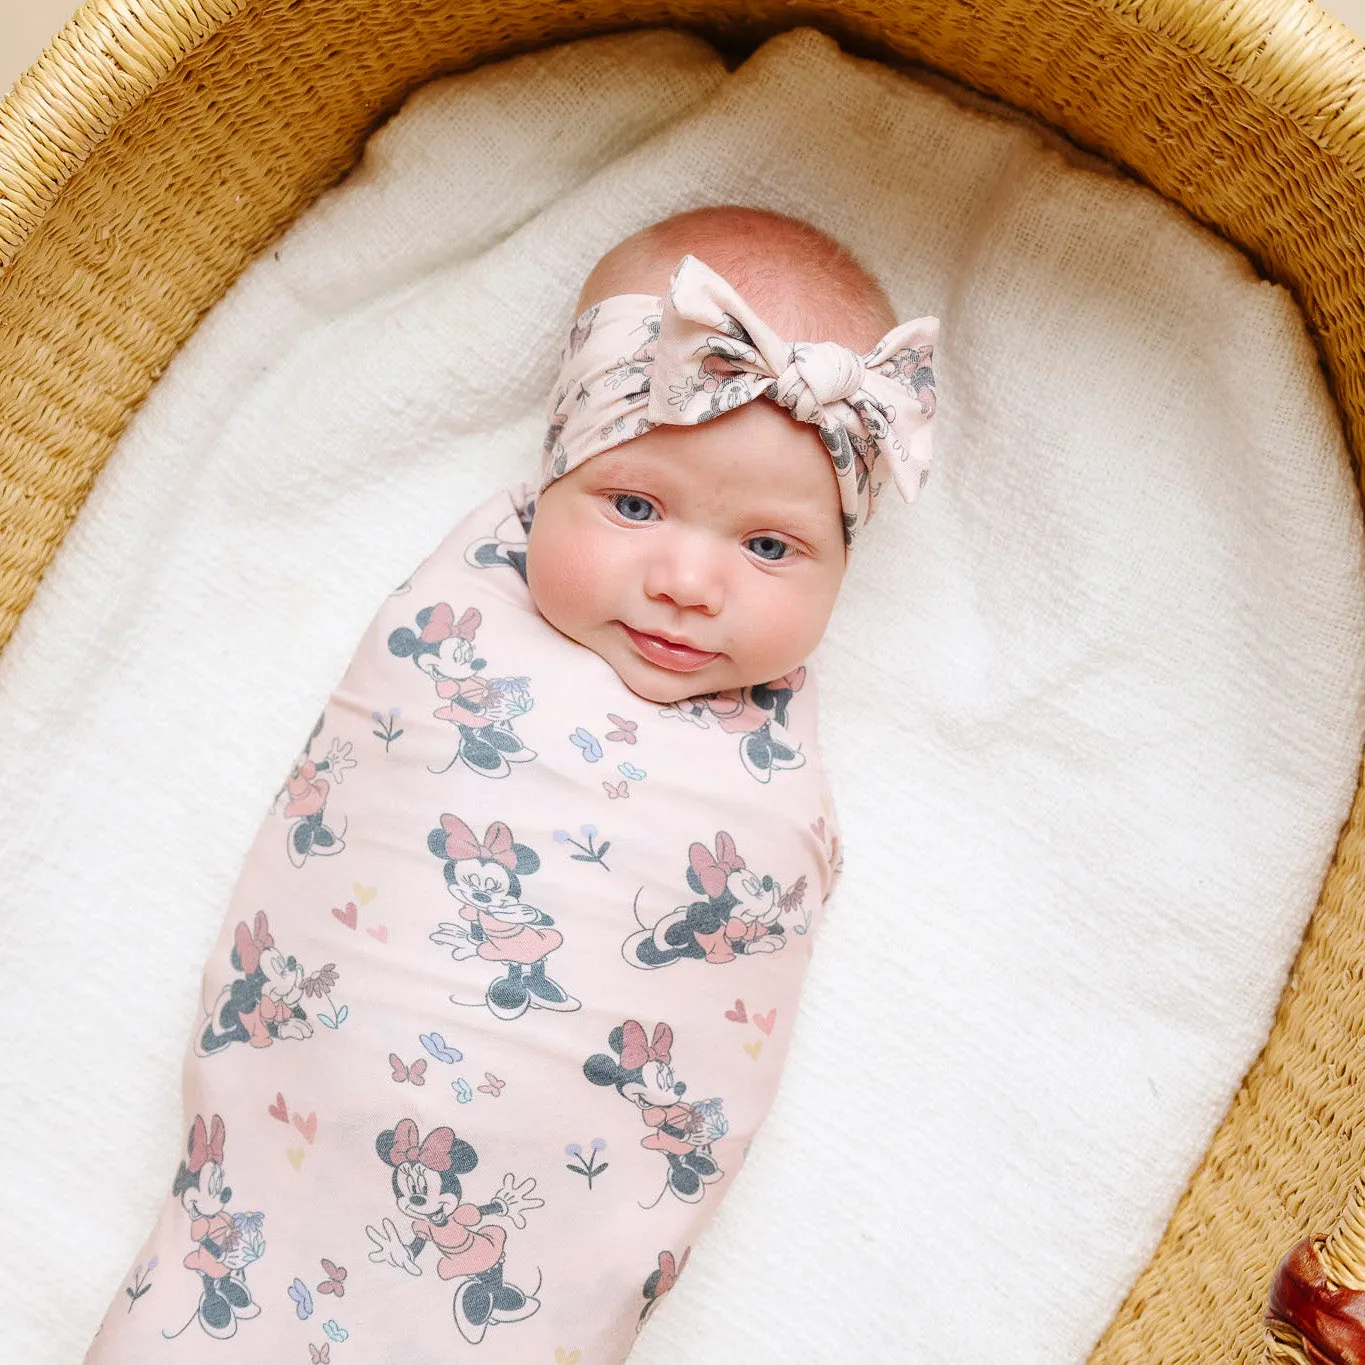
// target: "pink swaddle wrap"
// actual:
[[502, 995]]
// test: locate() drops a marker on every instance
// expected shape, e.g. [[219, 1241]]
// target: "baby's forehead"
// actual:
[[752, 462]]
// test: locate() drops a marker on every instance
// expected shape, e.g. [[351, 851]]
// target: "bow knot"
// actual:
[[818, 374]]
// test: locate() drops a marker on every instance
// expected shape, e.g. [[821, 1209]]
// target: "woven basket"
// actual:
[[158, 145]]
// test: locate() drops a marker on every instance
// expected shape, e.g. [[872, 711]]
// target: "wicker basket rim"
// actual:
[[112, 54]]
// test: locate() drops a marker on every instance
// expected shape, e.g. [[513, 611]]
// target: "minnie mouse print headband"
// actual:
[[634, 362]]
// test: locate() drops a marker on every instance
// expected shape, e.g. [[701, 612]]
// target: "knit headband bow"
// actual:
[[634, 362]]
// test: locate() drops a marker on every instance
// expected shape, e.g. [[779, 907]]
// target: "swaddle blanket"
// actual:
[[581, 884], [1091, 710]]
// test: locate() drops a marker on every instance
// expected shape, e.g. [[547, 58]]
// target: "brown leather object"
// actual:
[[1330, 1320]]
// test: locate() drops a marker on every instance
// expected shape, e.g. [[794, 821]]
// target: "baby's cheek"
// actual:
[[576, 579], [792, 627], [554, 572]]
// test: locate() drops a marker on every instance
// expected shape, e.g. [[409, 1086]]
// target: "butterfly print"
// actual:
[[588, 744], [303, 1299], [416, 1074], [625, 729], [335, 1283]]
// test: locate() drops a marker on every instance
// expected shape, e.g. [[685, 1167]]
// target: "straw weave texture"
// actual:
[[159, 146]]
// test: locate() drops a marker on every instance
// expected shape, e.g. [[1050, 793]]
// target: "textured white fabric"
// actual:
[[1092, 707]]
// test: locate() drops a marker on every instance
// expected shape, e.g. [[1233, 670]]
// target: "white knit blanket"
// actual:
[[1092, 708]]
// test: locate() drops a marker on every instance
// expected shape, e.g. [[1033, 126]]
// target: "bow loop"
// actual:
[[496, 846], [205, 1144], [434, 1153], [635, 1052]]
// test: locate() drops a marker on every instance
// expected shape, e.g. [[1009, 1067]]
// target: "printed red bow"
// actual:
[[205, 1145], [441, 624], [634, 1051], [495, 846], [250, 945], [714, 872], [434, 1153]]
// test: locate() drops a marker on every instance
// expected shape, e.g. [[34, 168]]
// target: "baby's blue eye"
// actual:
[[768, 547], [633, 507]]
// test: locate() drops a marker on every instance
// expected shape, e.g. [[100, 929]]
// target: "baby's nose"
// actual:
[[687, 573]]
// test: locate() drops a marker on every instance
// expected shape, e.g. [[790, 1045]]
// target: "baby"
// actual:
[[506, 982]]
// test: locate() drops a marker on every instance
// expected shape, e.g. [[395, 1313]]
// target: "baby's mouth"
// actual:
[[669, 654]]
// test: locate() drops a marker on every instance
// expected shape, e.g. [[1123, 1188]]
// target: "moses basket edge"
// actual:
[[154, 149]]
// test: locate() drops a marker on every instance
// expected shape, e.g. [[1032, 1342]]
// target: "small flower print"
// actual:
[[320, 982], [387, 727], [509, 697], [585, 1163], [591, 852], [246, 1242], [709, 1121], [588, 744], [141, 1283], [625, 729]]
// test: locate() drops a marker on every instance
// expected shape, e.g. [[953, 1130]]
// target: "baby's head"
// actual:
[[706, 556]]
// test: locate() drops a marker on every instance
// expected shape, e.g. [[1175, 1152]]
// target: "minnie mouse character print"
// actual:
[[224, 1244], [660, 1281], [264, 1003], [484, 876], [426, 1189], [628, 379], [481, 708], [507, 545], [683, 1131], [740, 914], [307, 791], [758, 715]]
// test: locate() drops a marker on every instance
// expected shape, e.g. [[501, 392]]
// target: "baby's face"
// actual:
[[694, 559]]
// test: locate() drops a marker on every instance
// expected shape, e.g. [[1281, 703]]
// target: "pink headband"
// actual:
[[634, 361]]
